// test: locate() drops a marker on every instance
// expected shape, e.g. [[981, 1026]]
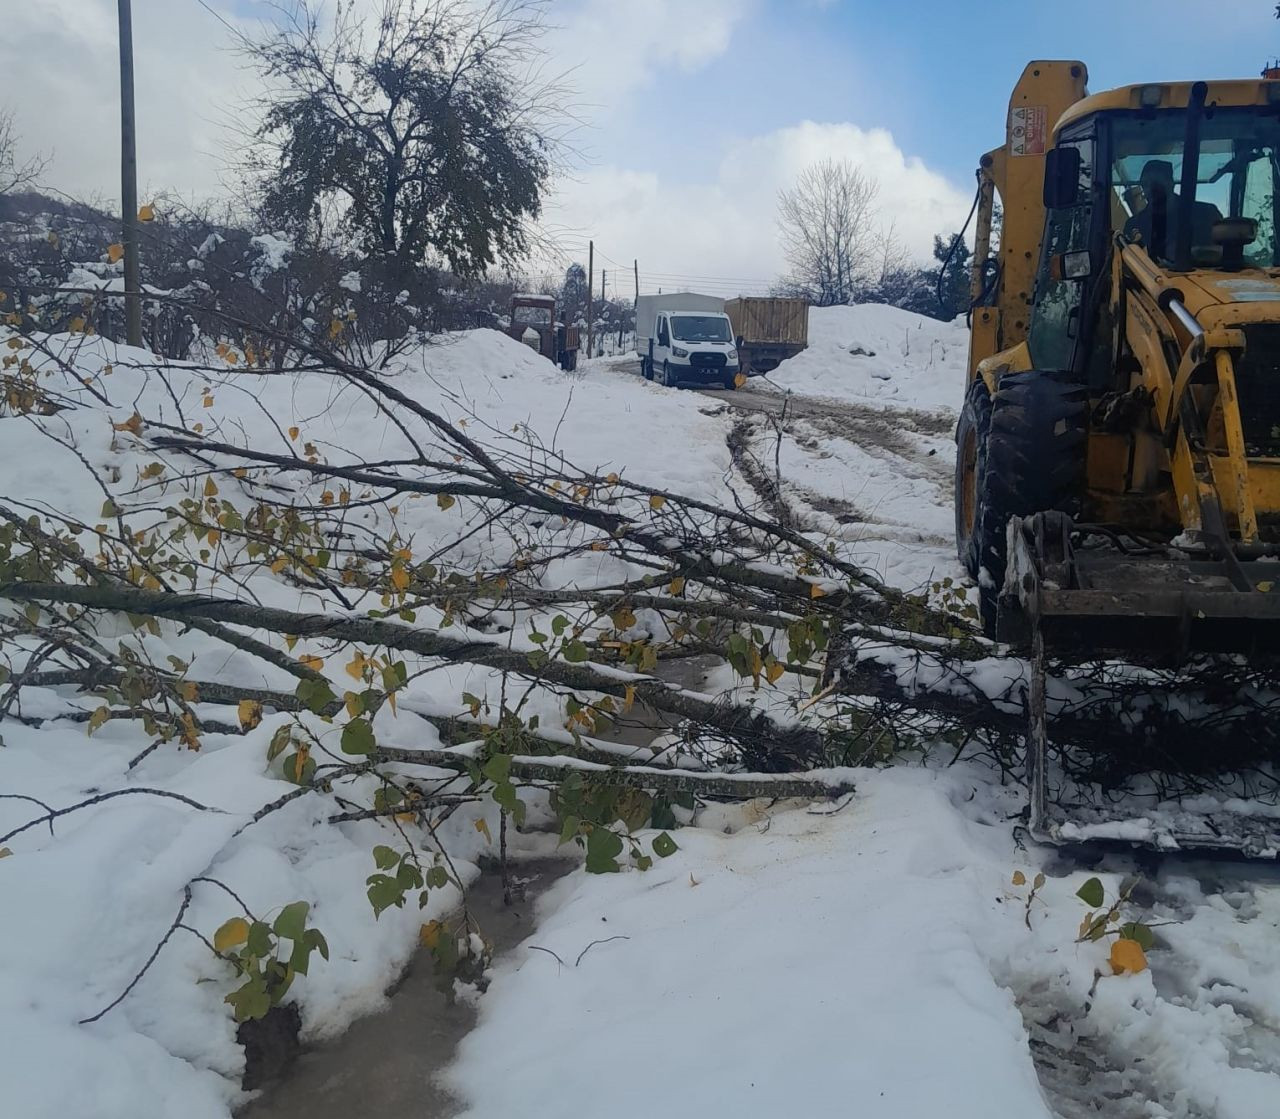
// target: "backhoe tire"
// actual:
[[971, 435], [1031, 461]]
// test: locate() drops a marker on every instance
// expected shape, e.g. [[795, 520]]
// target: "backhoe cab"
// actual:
[[1125, 367], [1118, 451]]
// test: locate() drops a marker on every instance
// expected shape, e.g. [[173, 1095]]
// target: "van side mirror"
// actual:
[[1061, 178]]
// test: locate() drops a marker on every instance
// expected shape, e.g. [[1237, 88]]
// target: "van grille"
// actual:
[[707, 361]]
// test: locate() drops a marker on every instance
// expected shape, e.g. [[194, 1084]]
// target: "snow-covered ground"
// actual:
[[870, 958]]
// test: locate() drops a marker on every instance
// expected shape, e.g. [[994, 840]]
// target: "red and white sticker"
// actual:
[[1028, 128]]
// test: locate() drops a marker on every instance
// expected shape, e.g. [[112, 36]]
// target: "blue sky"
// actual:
[[698, 111]]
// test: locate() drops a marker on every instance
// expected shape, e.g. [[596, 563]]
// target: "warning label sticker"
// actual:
[[1028, 126]]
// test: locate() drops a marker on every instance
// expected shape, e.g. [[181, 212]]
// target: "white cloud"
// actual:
[[62, 81], [725, 230], [626, 43]]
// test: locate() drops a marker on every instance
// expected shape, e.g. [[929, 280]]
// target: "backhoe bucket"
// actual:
[[1121, 600]]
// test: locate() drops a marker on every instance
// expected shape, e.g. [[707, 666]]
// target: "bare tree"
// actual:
[[16, 174], [827, 223]]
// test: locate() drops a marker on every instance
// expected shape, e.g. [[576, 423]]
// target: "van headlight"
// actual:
[[679, 352], [733, 355]]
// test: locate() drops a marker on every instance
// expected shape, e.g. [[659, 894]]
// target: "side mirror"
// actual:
[[1061, 178], [1071, 266]]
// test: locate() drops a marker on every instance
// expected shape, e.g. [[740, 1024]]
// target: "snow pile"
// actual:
[[876, 354]]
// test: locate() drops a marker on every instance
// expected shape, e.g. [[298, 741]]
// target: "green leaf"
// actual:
[[643, 862], [538, 638], [408, 877], [575, 652], [603, 849], [1136, 930], [357, 738], [250, 1001], [498, 768], [315, 939], [300, 957], [315, 695], [437, 877], [664, 846], [299, 776], [383, 893], [259, 942], [559, 624], [569, 828], [1092, 893], [385, 857], [291, 921]]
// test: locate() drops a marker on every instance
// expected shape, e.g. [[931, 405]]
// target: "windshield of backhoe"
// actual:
[[1236, 176]]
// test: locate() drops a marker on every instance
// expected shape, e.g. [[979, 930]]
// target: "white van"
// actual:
[[685, 337]]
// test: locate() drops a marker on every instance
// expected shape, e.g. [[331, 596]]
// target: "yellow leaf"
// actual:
[[612, 479], [816, 591], [189, 690], [210, 488], [293, 433], [355, 668], [313, 663], [5, 852], [483, 828], [344, 495], [115, 252], [249, 712], [740, 380], [147, 212], [1265, 586], [239, 472], [773, 671], [599, 545], [630, 697], [676, 586], [354, 704], [214, 537], [326, 498], [429, 934], [52, 239], [657, 501], [399, 578], [1127, 956], [232, 357], [133, 425], [445, 501], [279, 564], [207, 400], [100, 716], [232, 934], [1019, 879]]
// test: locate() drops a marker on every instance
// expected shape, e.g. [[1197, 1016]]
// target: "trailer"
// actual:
[[768, 331], [536, 315]]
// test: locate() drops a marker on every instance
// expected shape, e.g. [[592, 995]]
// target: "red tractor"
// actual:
[[556, 341]]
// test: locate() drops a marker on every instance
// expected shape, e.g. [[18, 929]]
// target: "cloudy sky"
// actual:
[[696, 111]]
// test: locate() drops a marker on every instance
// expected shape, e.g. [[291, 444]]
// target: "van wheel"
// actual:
[[667, 379], [646, 369]]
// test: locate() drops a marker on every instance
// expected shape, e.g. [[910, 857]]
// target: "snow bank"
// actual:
[[875, 354], [87, 908]]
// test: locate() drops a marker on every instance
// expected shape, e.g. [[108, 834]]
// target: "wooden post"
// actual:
[[129, 181], [591, 281]]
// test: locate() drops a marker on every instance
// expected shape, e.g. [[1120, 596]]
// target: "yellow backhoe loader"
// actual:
[[1118, 452]]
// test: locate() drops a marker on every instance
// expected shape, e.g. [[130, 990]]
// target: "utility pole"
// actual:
[[591, 283], [635, 310], [129, 181]]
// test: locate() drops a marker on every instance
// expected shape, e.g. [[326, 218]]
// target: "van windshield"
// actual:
[[700, 328]]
